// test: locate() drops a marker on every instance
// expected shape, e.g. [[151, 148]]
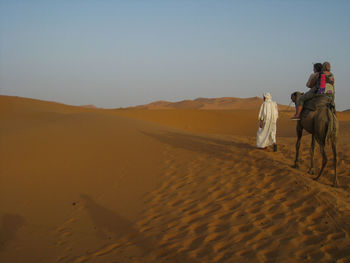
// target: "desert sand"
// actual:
[[165, 183]]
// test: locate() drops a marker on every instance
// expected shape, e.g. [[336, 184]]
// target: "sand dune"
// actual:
[[225, 103], [82, 184]]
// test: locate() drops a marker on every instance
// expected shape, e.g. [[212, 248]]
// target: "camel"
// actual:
[[319, 119]]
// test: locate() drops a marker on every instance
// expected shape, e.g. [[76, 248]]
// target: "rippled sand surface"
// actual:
[[82, 184]]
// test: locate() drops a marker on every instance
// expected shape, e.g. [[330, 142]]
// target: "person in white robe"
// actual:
[[268, 116]]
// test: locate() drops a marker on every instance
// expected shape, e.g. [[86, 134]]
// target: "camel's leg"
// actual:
[[297, 145], [312, 150], [324, 159], [334, 147]]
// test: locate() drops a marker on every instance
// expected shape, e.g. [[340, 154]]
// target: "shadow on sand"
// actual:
[[212, 146], [109, 222], [9, 226]]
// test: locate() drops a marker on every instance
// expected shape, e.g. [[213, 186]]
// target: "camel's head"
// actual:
[[295, 95]]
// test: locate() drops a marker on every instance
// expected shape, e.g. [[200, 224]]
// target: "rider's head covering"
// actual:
[[327, 66], [318, 67]]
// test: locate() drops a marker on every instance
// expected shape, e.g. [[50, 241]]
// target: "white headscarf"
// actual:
[[267, 96], [268, 110]]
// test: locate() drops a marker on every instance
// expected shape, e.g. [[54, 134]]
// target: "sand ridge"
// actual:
[[246, 212], [224, 103], [90, 185]]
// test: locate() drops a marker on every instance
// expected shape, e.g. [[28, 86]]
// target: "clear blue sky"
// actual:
[[124, 53]]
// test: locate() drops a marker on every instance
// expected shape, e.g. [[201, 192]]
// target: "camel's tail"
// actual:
[[332, 131]]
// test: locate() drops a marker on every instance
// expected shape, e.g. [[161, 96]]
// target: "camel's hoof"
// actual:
[[315, 179], [295, 166], [311, 172]]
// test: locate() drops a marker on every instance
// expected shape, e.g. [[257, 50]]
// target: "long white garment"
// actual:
[[268, 113]]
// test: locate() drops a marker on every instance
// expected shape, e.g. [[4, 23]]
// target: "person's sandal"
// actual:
[[275, 147]]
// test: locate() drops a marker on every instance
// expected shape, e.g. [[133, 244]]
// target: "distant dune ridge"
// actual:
[[224, 103], [89, 106], [180, 183]]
